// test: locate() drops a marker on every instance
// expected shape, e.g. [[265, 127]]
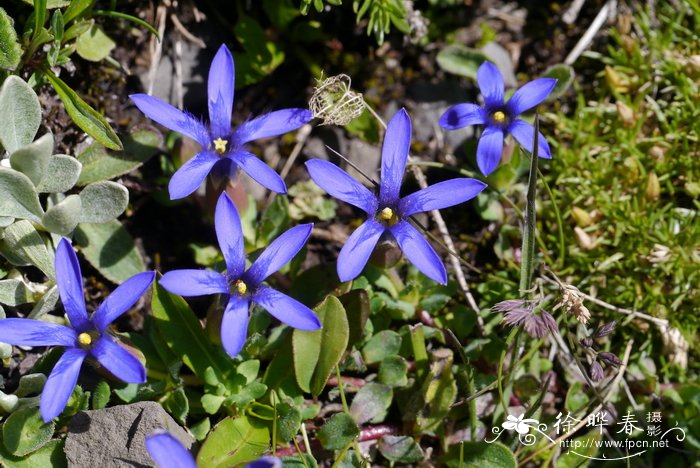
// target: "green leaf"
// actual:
[[22, 241], [383, 344], [98, 164], [564, 74], [288, 421], [100, 395], [177, 405], [63, 217], [87, 118], [24, 431], [46, 304], [109, 248], [75, 9], [371, 403], [338, 432], [19, 106], [50, 454], [181, 330], [393, 371], [274, 220], [461, 60], [575, 398], [320, 350], [33, 159], [94, 44], [14, 292], [103, 201], [18, 198], [233, 441], [51, 4], [583, 447], [10, 50], [61, 174], [481, 455], [402, 449], [356, 304]]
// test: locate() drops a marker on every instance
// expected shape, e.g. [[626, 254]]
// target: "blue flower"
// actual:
[[87, 336], [499, 117], [388, 213], [223, 149], [168, 452], [245, 286]]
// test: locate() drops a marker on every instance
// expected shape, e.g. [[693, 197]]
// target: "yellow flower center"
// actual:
[[499, 116], [241, 287], [85, 339], [220, 145], [386, 214]]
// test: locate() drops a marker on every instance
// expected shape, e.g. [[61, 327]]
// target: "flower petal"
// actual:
[[463, 115], [117, 360], [530, 94], [340, 185], [168, 452], [122, 299], [171, 117], [266, 462], [227, 223], [272, 124], [222, 76], [259, 171], [287, 310], [440, 195], [488, 152], [358, 248], [191, 174], [189, 283], [28, 332], [397, 144], [419, 251], [70, 285], [525, 134], [61, 383], [491, 84], [234, 325], [278, 253]]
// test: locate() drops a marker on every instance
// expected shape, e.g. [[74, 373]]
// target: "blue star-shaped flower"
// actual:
[[86, 336], [245, 286], [499, 117], [223, 149], [389, 212], [168, 452]]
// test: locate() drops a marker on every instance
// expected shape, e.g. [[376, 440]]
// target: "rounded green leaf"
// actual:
[[461, 60], [393, 371], [481, 455], [103, 202], [63, 217], [24, 431], [383, 344], [33, 159], [61, 174], [109, 248], [94, 44], [564, 74], [338, 432], [402, 449], [371, 403], [233, 441], [19, 106]]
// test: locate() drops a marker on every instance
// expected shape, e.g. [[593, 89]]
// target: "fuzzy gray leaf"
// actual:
[[61, 174], [103, 202], [18, 198], [22, 242], [63, 217], [19, 106], [33, 159]]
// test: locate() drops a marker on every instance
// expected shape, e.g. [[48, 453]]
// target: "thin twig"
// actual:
[[593, 29], [301, 137], [188, 35], [445, 234], [156, 47], [572, 12]]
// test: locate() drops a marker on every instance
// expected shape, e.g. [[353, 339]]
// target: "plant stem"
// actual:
[[527, 264]]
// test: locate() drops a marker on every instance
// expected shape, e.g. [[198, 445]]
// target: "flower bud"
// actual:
[[609, 358], [653, 187], [581, 217]]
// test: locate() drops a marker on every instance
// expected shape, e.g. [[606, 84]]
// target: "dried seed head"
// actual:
[[573, 304], [605, 330], [508, 305], [586, 342], [609, 358], [597, 372], [334, 102]]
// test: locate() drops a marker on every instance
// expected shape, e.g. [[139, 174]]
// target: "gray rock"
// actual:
[[114, 437]]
